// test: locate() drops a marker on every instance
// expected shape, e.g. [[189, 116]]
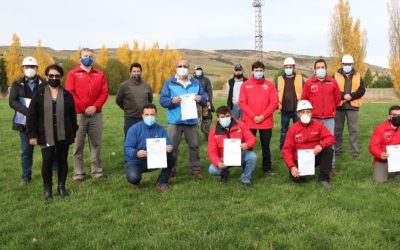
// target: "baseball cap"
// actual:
[[238, 67]]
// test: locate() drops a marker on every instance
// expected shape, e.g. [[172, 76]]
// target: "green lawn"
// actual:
[[198, 214]]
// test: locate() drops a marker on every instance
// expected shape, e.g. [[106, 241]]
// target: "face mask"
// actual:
[[347, 69], [199, 72], [136, 76], [288, 72], [395, 121], [225, 122], [321, 73], [238, 76], [54, 82], [30, 73], [87, 61], [149, 120], [305, 119], [258, 75], [182, 71]]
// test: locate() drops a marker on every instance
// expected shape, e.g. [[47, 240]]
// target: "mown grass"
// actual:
[[198, 214]]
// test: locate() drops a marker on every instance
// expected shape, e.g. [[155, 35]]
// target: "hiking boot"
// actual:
[[162, 187], [25, 181], [197, 175], [135, 188], [270, 173], [325, 184]]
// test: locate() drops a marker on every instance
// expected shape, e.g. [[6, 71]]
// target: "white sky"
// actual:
[[292, 26]]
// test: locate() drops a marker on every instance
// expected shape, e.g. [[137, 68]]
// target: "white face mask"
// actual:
[[30, 73], [182, 71], [305, 119]]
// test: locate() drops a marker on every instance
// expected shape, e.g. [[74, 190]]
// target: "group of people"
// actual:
[[55, 117]]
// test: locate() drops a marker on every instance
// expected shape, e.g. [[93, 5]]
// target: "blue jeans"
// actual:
[[134, 170], [26, 156], [330, 125], [285, 120], [249, 160], [236, 112]]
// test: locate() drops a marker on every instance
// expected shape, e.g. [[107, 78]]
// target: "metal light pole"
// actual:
[[258, 29]]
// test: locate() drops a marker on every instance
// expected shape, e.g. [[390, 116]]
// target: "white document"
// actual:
[[394, 158], [156, 153], [232, 152], [188, 107], [19, 117], [306, 162]]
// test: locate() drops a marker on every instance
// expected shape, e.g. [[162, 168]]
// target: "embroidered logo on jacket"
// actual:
[[314, 88], [265, 86], [298, 137], [387, 136]]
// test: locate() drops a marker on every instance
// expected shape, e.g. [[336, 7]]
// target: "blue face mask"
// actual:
[[347, 69], [258, 75], [225, 122], [87, 61], [149, 120], [288, 72], [321, 73]]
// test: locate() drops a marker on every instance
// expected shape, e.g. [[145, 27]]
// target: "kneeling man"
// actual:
[[229, 128], [308, 134], [135, 149]]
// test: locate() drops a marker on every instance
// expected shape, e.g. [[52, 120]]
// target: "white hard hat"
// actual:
[[347, 59], [289, 61], [303, 104], [29, 61]]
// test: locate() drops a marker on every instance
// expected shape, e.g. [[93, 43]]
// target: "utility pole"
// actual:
[[258, 29]]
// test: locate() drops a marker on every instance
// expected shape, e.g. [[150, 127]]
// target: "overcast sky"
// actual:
[[292, 26]]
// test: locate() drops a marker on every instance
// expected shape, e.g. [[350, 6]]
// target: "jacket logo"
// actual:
[[265, 86], [387, 136], [314, 88], [315, 133], [249, 86], [298, 137]]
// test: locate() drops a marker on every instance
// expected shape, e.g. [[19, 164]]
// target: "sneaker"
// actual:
[[100, 178], [325, 184], [249, 184], [333, 171], [135, 188], [270, 173], [162, 187], [25, 181], [197, 175], [79, 178], [224, 179]]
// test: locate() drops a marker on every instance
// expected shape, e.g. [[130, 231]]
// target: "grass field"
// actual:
[[198, 214]]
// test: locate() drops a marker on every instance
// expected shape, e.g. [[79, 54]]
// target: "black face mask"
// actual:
[[395, 121], [238, 76], [137, 77], [54, 82]]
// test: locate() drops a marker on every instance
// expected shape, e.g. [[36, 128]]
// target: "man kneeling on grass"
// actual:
[[308, 134], [385, 134], [228, 127], [135, 153]]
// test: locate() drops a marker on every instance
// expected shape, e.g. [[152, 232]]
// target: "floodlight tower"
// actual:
[[259, 35]]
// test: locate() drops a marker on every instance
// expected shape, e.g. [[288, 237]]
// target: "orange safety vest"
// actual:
[[298, 86], [355, 84]]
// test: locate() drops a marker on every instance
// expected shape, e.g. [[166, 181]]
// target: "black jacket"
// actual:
[[35, 118], [21, 89], [231, 83]]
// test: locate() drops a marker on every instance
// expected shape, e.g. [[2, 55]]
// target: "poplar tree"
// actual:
[[394, 40], [102, 58], [43, 59], [13, 60]]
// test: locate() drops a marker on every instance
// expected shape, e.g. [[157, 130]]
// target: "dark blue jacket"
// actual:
[[136, 139]]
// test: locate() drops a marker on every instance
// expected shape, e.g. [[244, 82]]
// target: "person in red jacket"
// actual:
[[308, 134], [228, 127], [323, 93], [89, 88], [258, 100], [387, 133]]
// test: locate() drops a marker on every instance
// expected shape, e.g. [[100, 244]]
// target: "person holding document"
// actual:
[[228, 127], [308, 134], [385, 134], [21, 94], [179, 95], [136, 152]]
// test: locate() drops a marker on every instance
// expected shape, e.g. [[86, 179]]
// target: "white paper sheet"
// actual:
[[394, 158], [156, 153], [306, 162], [19, 117], [232, 152], [188, 107]]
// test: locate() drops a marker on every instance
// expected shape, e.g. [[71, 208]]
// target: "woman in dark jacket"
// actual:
[[51, 123]]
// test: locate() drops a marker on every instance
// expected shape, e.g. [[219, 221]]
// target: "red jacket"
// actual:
[[301, 136], [87, 88], [383, 135], [324, 96], [238, 130], [258, 97]]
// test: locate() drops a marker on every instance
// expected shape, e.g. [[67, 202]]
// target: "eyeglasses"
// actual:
[[182, 66], [51, 76]]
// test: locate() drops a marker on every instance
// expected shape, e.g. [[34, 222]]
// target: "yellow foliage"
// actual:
[[135, 52], [75, 57], [123, 54], [13, 60], [102, 59], [43, 59]]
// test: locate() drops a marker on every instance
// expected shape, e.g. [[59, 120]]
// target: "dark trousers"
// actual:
[[285, 120], [129, 122], [324, 161], [205, 127], [265, 137], [57, 153], [134, 170]]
